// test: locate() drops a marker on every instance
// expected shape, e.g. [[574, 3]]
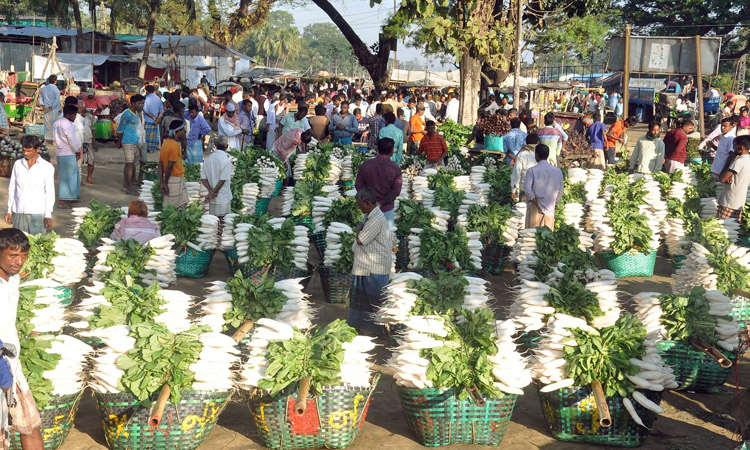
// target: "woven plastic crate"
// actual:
[[319, 241], [572, 416], [744, 241], [66, 294], [631, 264], [261, 206], [336, 285], [184, 425], [279, 186], [493, 258], [678, 261], [693, 369], [332, 419], [193, 264], [741, 311], [304, 220], [402, 255], [231, 256], [57, 421], [438, 418]]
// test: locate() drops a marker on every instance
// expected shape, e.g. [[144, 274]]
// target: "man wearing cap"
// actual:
[[93, 104], [229, 126]]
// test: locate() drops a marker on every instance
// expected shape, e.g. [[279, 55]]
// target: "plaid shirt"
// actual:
[[373, 256], [374, 127]]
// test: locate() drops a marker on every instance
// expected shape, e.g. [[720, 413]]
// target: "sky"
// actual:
[[363, 19]]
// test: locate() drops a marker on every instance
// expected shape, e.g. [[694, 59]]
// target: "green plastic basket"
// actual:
[[319, 241], [336, 285], [402, 255], [184, 425], [261, 206], [66, 294], [437, 417], [572, 416], [678, 261], [693, 369], [631, 264], [741, 311], [193, 264], [279, 186], [307, 221], [744, 241], [331, 420], [493, 258], [57, 421], [231, 256]]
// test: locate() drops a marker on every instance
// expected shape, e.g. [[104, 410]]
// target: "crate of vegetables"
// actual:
[[693, 368], [196, 237], [336, 285], [58, 416], [631, 264], [193, 263]]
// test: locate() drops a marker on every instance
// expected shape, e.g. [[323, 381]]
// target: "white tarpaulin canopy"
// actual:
[[262, 74], [446, 78], [81, 65]]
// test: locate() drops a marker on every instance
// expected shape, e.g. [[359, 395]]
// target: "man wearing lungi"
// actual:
[[171, 170], [153, 111], [68, 153], [543, 187], [24, 415], [31, 191], [49, 97], [372, 265]]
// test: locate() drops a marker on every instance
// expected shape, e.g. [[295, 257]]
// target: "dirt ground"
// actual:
[[692, 421]]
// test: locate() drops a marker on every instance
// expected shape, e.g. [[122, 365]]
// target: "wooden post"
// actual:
[[605, 420], [699, 79], [626, 74], [518, 58]]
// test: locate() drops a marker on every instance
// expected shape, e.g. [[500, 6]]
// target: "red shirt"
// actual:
[[675, 145], [433, 147]]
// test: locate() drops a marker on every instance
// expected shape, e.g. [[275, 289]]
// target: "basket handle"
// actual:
[[300, 405], [243, 330], [711, 351], [161, 403], [605, 420]]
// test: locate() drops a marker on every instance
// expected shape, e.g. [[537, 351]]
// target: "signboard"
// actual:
[[666, 55]]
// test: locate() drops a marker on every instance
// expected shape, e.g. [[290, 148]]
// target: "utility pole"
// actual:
[[395, 50], [517, 71], [626, 74]]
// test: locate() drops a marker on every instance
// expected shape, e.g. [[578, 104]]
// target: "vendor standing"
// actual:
[[736, 179], [31, 191], [171, 170], [372, 265], [216, 175], [49, 97], [543, 187], [343, 125], [675, 146], [433, 146], [648, 154]]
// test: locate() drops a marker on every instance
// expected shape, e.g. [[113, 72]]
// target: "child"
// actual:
[[737, 178], [4, 124]]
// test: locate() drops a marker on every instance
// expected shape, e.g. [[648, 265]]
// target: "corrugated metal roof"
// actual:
[[40, 32], [162, 41]]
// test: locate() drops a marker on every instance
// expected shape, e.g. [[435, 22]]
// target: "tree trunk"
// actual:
[[104, 17], [469, 86], [376, 64], [154, 4], [79, 22]]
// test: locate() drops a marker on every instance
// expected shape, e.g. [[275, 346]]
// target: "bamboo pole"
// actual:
[[605, 419], [161, 403], [243, 330], [719, 357], [300, 405]]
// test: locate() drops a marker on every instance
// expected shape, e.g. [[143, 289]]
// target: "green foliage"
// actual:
[[182, 223], [25, 310], [553, 246], [606, 356], [316, 355], [579, 37], [344, 210], [41, 253], [439, 248], [128, 258], [461, 363], [157, 195], [412, 215], [706, 185], [454, 133], [98, 223], [251, 301], [346, 261], [192, 172], [129, 304], [707, 232], [730, 274], [247, 170], [571, 297], [317, 166], [445, 295], [442, 178], [34, 362], [160, 358], [448, 199], [269, 246], [304, 193], [686, 317], [632, 232], [490, 220], [499, 180]]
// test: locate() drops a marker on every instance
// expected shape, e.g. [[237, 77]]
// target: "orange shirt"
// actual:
[[171, 151], [616, 130], [416, 125]]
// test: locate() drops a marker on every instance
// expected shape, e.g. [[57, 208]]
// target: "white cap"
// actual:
[[230, 106]]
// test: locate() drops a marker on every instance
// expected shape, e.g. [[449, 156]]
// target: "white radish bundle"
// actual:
[[709, 207], [288, 199], [105, 374], [478, 185], [213, 369], [524, 246], [146, 195], [40, 300], [250, 194], [68, 376], [320, 206], [78, 214], [298, 171], [160, 266], [226, 240], [334, 245], [267, 181]]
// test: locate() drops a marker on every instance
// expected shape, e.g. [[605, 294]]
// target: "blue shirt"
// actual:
[[152, 106], [351, 126], [595, 133], [513, 141], [50, 97], [399, 124], [619, 109], [398, 141], [129, 128], [198, 127]]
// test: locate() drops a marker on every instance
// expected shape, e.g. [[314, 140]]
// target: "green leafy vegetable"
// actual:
[[439, 248], [98, 223], [686, 318], [130, 304], [490, 220], [304, 192], [41, 252], [252, 301], [445, 295], [344, 210], [128, 258], [182, 223], [412, 215], [35, 361]]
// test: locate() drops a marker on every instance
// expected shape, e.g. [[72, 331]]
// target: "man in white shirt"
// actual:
[[216, 174], [543, 187], [31, 192], [451, 112], [525, 160], [724, 148], [272, 121], [736, 179], [492, 107], [229, 126], [24, 415]]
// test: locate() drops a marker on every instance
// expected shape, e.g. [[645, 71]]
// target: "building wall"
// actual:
[[16, 54]]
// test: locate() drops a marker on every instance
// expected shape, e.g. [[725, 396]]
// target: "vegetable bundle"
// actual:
[[277, 242], [327, 210], [724, 266], [330, 356], [190, 227], [432, 249], [411, 214], [95, 222], [60, 259], [339, 253]]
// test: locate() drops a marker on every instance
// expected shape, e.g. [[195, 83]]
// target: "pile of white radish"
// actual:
[[196, 193], [105, 374], [478, 185], [709, 207], [298, 171], [300, 243], [463, 183], [524, 246], [334, 170], [68, 377], [296, 312], [400, 299], [226, 240], [267, 181], [475, 246], [649, 312], [69, 263], [320, 207], [48, 311], [573, 214], [333, 242], [145, 194], [250, 194], [657, 207], [213, 369], [78, 215], [440, 221], [208, 233], [347, 170], [470, 199], [696, 270], [414, 243], [287, 196], [162, 261], [419, 186], [549, 364], [577, 175], [593, 182]]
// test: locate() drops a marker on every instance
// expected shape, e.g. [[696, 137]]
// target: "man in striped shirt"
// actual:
[[551, 137]]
